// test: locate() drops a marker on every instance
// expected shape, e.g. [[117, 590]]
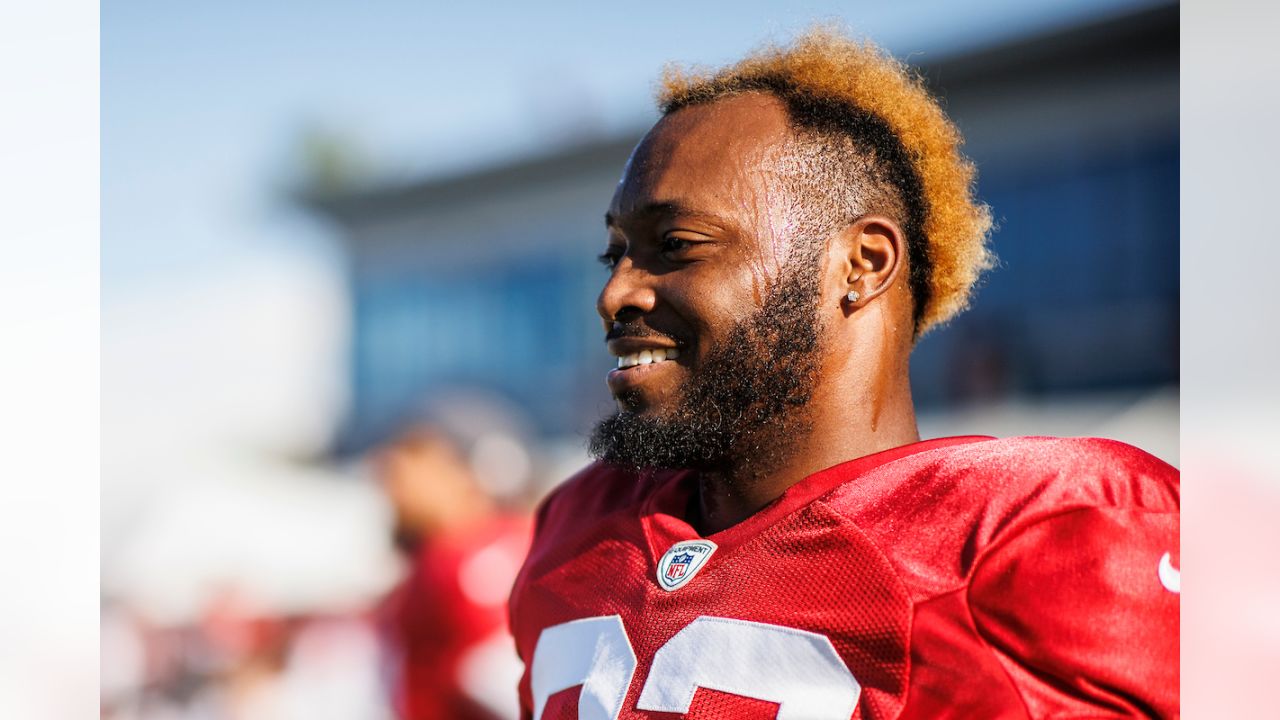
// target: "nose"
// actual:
[[628, 293]]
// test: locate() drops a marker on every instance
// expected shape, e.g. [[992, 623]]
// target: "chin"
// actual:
[[639, 403]]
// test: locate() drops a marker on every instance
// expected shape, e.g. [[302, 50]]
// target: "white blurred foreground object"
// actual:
[[1230, 346], [292, 540], [214, 385]]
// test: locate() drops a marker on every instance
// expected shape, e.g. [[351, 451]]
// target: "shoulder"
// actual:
[[1098, 538], [594, 492], [1038, 453], [596, 488], [936, 513], [571, 514], [1064, 550], [1045, 474], [1008, 485], [1006, 479]]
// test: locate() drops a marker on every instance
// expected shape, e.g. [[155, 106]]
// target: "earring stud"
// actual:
[[852, 296]]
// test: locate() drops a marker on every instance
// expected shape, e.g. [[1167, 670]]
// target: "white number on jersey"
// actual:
[[594, 653], [797, 669]]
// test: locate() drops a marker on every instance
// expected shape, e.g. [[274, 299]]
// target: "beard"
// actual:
[[745, 402]]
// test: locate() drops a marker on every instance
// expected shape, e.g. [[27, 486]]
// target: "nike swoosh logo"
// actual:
[[1170, 576]]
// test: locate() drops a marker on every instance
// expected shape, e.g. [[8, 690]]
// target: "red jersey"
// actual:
[[446, 623], [962, 577]]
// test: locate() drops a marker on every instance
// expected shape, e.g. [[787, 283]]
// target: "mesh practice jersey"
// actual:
[[961, 577]]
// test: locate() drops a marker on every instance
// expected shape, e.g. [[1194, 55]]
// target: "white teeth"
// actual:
[[646, 357]]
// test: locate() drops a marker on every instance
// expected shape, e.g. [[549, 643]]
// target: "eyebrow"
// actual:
[[671, 208]]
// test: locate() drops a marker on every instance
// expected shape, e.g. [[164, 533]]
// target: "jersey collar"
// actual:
[[664, 515]]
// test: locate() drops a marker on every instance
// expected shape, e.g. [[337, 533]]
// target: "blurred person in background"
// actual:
[[445, 624]]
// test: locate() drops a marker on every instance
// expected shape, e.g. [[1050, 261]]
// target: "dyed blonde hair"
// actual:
[[884, 145]]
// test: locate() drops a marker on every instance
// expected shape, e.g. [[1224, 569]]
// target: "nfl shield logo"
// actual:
[[679, 564], [682, 561]]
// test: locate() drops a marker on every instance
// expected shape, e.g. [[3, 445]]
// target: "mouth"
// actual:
[[647, 357], [635, 367]]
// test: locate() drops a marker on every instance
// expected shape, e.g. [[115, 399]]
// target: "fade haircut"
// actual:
[[869, 139]]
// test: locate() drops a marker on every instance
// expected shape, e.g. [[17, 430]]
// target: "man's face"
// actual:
[[711, 271]]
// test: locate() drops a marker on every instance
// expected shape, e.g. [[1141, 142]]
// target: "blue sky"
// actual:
[[203, 103]]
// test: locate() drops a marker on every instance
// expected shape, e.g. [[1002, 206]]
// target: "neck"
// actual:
[[832, 430]]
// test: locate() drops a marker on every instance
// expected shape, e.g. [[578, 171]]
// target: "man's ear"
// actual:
[[872, 255]]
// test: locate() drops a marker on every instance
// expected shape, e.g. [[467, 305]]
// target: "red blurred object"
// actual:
[[446, 623], [235, 629]]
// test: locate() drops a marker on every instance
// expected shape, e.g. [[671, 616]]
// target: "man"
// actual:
[[765, 534]]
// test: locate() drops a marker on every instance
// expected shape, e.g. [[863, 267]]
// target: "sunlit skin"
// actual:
[[700, 226]]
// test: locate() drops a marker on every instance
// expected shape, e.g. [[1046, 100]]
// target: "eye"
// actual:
[[672, 245], [609, 258]]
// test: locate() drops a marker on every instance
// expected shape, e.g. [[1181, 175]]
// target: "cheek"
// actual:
[[712, 304]]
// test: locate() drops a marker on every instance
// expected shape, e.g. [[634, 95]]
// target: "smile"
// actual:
[[646, 357]]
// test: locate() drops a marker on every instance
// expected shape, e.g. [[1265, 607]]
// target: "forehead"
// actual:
[[719, 158]]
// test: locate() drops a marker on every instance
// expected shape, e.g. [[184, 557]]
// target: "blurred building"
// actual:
[[487, 280]]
